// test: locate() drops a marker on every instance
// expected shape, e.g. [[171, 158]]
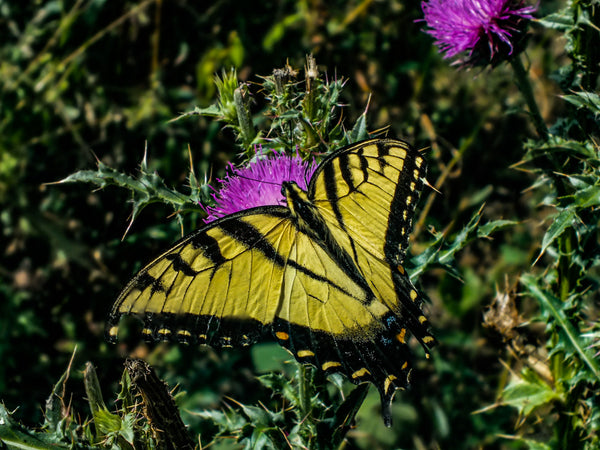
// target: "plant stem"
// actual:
[[245, 126], [527, 91], [304, 390], [566, 247]]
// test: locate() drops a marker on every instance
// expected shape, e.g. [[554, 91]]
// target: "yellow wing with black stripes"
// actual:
[[367, 194], [225, 283], [323, 275]]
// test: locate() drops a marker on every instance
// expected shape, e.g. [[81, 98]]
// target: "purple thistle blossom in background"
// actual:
[[487, 30], [259, 184]]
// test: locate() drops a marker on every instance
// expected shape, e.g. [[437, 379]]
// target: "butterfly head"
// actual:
[[290, 189], [304, 212], [296, 199]]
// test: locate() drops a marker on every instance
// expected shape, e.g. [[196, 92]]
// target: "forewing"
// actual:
[[219, 285], [241, 272], [368, 192]]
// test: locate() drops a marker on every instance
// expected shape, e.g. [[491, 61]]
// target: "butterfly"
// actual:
[[322, 274]]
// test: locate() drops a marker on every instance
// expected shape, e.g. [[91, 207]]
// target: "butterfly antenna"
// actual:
[[253, 179]]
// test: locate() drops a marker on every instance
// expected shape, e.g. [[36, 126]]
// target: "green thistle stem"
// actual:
[[304, 389], [245, 126], [527, 91]]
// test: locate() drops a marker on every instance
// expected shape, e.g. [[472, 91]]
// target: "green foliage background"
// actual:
[[86, 79]]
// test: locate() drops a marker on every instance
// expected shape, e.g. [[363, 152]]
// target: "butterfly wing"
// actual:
[[366, 193], [329, 320], [248, 273], [219, 285], [257, 270]]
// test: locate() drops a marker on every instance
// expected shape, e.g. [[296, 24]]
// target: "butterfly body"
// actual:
[[322, 274]]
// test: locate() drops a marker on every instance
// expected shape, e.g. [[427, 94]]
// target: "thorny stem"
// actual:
[[304, 390], [527, 91]]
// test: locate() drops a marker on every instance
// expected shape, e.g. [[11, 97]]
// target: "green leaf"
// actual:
[[92, 388], [490, 227], [553, 306], [213, 110], [535, 445], [146, 188], [359, 130], [587, 197], [332, 432], [278, 382], [560, 20], [54, 414], [441, 253], [462, 238], [14, 435], [555, 144], [227, 422], [584, 99], [277, 31], [261, 416], [115, 428], [560, 223], [527, 393]]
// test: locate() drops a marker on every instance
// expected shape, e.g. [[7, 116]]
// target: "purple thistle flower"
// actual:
[[488, 30], [259, 184]]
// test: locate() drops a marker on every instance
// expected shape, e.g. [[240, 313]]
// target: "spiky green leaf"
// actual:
[[563, 220], [553, 307], [527, 392]]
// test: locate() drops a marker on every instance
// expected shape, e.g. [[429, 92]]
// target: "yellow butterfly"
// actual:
[[322, 275]]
